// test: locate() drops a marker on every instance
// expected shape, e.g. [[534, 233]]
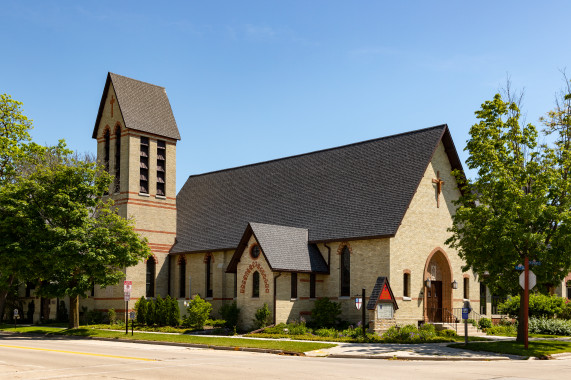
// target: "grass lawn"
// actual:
[[536, 348], [374, 339], [212, 341]]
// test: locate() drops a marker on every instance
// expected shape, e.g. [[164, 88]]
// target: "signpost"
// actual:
[[527, 281], [359, 305], [16, 316], [132, 317], [127, 293], [465, 315]]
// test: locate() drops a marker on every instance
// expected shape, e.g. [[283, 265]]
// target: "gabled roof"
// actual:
[[354, 191], [285, 248], [380, 284], [144, 106]]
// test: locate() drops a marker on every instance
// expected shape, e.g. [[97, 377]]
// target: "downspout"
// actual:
[[275, 294]]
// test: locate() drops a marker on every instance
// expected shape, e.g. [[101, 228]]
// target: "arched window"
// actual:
[[256, 284], [345, 272], [106, 137], [209, 276], [151, 272], [182, 278], [117, 158]]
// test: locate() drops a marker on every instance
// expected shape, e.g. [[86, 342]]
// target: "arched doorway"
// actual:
[[437, 291]]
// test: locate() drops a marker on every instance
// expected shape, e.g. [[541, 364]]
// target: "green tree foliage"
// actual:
[[540, 306], [69, 235], [262, 316], [325, 313], [519, 204], [197, 313], [173, 312], [14, 135]]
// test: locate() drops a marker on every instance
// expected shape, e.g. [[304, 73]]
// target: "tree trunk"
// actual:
[[74, 312], [520, 325], [4, 295]]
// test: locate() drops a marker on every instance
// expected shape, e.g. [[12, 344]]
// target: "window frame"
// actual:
[[466, 289], [182, 278], [406, 285], [256, 284], [151, 273], [312, 281], [208, 279], [345, 273], [293, 290]]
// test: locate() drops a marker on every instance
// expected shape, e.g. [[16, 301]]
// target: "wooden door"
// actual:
[[434, 301]]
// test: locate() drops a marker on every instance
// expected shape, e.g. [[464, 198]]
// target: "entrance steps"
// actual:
[[459, 328]]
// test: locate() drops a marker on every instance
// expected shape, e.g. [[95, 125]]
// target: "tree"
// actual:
[[519, 204], [77, 238]]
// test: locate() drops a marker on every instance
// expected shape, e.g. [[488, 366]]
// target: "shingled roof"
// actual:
[[355, 191], [285, 249], [144, 106]]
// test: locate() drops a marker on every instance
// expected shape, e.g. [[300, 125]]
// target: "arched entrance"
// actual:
[[437, 291]]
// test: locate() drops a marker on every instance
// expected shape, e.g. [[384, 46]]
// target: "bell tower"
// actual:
[[136, 142]]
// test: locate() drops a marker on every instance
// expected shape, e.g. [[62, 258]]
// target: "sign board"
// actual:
[[358, 302], [127, 296], [127, 286], [465, 312], [385, 311], [385, 294], [16, 313], [532, 280], [132, 315], [519, 267]]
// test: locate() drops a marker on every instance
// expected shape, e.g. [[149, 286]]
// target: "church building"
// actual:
[[289, 231]]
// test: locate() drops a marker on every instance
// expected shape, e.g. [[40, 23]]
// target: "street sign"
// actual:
[[127, 297], [358, 302], [534, 262], [132, 315], [532, 280], [519, 267], [465, 312], [16, 313], [127, 286]]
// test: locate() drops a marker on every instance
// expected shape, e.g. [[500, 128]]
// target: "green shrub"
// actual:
[[550, 326], [150, 315], [325, 313], [502, 330], [94, 317], [447, 333], [141, 309], [410, 334], [484, 323], [197, 313], [540, 305], [297, 328], [566, 312], [327, 333], [262, 316], [160, 311], [277, 329], [230, 312], [112, 316], [352, 332]]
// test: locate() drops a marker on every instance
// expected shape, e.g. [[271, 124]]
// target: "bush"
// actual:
[[447, 333], [327, 333], [410, 333], [230, 313], [197, 313], [566, 312], [550, 326], [141, 309], [94, 317], [112, 316], [502, 330], [150, 317], [325, 313], [484, 323], [540, 305], [297, 328], [262, 317], [173, 312]]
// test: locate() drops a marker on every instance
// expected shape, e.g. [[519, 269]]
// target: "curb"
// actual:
[[425, 358]]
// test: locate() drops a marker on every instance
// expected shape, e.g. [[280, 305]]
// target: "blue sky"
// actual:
[[251, 81]]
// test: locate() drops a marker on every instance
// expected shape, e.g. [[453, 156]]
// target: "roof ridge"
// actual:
[[320, 151], [136, 80]]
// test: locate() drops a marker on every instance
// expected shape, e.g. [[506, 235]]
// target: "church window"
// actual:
[[182, 278], [144, 166], [209, 276], [294, 285], [483, 296], [151, 273], [255, 251], [161, 167], [92, 288], [345, 272], [406, 285], [312, 285], [256, 284], [106, 137], [569, 289], [466, 288], [117, 159]]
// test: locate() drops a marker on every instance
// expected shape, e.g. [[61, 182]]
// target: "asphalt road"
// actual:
[[59, 358]]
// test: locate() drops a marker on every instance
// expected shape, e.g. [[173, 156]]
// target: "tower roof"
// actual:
[[145, 107]]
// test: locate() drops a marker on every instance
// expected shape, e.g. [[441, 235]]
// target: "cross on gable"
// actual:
[[111, 102], [439, 182]]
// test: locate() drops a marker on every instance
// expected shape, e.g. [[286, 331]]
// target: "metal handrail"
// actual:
[[452, 319]]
